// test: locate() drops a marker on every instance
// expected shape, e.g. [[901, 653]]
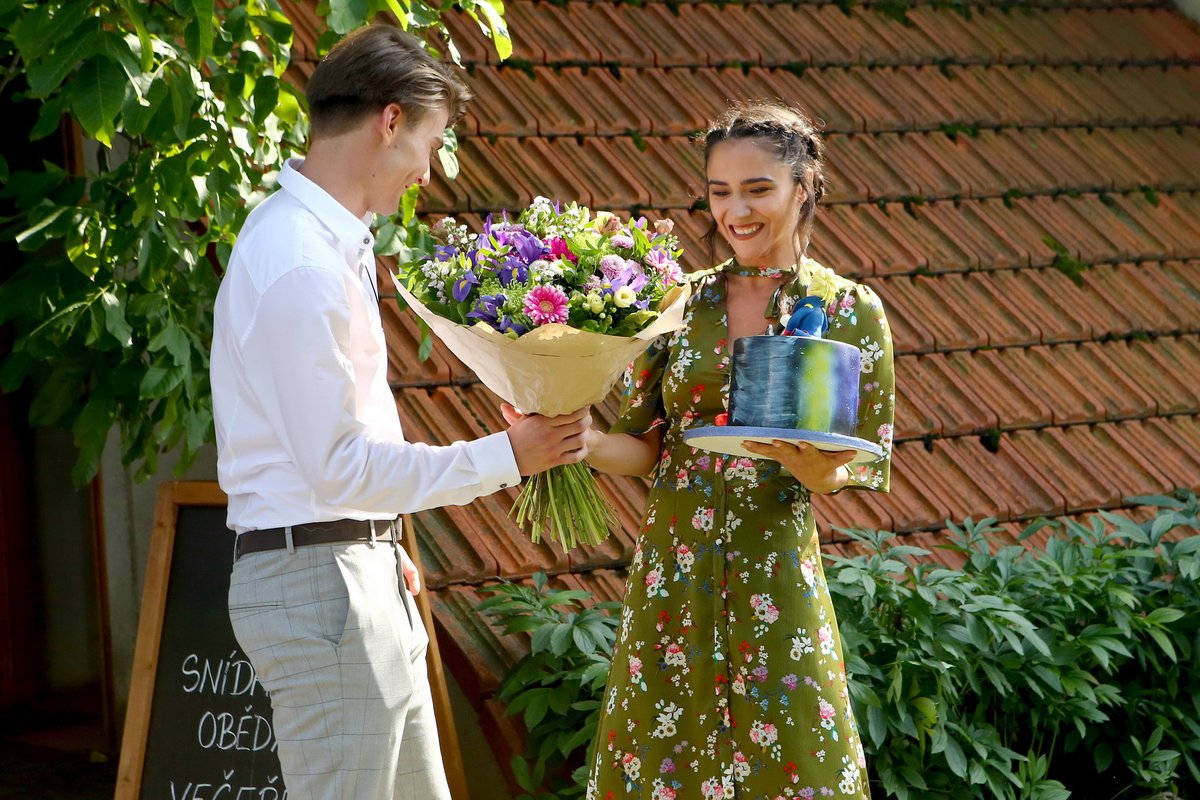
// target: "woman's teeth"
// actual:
[[745, 230]]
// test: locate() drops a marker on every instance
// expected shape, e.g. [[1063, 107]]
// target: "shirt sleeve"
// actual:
[[642, 406], [857, 318], [299, 364]]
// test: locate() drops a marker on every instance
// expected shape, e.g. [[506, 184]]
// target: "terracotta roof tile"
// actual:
[[910, 332], [954, 406], [660, 90], [816, 92], [483, 178], [851, 509], [549, 40], [1084, 485], [1017, 489], [940, 251], [1176, 444], [1001, 389], [873, 229], [601, 173], [654, 23], [1003, 317], [502, 113], [993, 244], [912, 503], [1041, 369], [913, 419], [838, 248], [963, 493], [945, 309], [603, 24]]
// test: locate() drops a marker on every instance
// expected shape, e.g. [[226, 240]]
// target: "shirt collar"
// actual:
[[354, 233]]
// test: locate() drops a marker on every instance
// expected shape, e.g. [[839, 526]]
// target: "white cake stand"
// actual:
[[728, 439]]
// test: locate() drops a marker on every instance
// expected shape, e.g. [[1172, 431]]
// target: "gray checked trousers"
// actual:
[[337, 642]]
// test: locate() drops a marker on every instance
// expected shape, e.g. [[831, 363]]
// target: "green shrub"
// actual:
[[557, 687], [1067, 671]]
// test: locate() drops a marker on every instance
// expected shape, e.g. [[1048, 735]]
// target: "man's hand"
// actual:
[[412, 579], [539, 443], [821, 471]]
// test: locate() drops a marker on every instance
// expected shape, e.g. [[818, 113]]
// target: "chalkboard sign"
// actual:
[[198, 726], [199, 723]]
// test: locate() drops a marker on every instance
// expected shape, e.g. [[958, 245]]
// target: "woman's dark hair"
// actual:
[[799, 145], [372, 67]]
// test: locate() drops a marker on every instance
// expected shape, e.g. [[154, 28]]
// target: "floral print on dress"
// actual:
[[729, 679]]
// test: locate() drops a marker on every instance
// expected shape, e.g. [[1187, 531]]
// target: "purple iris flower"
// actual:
[[445, 252], [462, 286], [507, 325], [513, 269], [528, 246], [487, 308], [642, 305]]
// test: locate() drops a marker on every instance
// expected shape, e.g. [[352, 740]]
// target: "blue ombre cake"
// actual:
[[790, 388], [795, 382]]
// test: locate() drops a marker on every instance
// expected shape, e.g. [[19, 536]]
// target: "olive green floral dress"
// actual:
[[728, 678]]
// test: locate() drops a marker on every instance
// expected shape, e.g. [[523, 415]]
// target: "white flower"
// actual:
[[624, 297]]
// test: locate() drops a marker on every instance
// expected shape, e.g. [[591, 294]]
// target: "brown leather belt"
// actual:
[[341, 530]]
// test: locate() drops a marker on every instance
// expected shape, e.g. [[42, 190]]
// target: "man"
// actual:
[[310, 449]]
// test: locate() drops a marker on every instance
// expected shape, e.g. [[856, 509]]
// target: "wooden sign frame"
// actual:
[[172, 496]]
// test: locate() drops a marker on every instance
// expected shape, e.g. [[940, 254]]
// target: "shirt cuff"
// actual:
[[497, 466]]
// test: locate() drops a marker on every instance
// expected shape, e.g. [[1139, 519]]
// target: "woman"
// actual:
[[728, 678]]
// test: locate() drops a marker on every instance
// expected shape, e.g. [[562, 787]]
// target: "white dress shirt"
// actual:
[[307, 428]]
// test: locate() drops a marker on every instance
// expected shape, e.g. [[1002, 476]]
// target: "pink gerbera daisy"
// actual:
[[546, 304]]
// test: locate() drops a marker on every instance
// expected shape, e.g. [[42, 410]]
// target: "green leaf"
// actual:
[[448, 155], [203, 11], [493, 12], [45, 24], [3, 169], [57, 396], [97, 94], [346, 15], [158, 381], [266, 93], [1164, 616], [46, 74], [1164, 642], [408, 204], [955, 757], [114, 319]]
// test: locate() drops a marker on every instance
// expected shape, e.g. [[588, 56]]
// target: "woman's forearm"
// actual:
[[624, 453]]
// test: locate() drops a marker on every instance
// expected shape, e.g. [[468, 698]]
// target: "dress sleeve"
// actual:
[[642, 406], [857, 318]]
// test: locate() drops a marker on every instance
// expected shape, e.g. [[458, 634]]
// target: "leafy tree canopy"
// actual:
[[188, 101]]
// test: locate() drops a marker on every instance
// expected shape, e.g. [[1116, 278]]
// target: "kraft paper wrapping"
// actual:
[[553, 369]]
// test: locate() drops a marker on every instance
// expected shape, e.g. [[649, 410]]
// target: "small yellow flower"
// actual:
[[594, 302], [624, 297]]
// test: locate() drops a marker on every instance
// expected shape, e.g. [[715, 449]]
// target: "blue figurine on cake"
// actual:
[[807, 318]]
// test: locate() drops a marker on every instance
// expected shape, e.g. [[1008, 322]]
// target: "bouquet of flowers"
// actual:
[[548, 310]]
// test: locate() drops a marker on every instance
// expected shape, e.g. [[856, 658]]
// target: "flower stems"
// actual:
[[564, 503]]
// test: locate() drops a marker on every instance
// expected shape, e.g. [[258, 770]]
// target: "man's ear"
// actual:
[[391, 120]]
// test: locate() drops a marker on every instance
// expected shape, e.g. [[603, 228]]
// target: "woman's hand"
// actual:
[[821, 471]]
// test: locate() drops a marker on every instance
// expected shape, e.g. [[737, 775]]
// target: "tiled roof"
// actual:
[[1020, 184]]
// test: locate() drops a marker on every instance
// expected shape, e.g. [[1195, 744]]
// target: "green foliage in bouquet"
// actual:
[[557, 687], [1024, 674], [187, 104]]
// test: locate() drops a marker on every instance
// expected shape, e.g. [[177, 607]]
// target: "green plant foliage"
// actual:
[[112, 309], [1065, 671], [557, 687]]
